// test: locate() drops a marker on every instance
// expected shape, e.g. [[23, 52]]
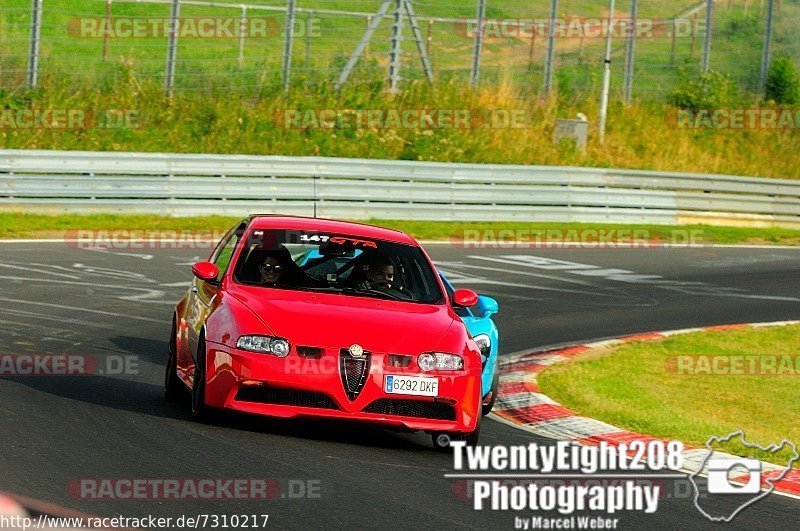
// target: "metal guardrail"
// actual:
[[181, 185]]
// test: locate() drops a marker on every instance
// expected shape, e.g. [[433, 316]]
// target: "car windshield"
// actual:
[[337, 263]]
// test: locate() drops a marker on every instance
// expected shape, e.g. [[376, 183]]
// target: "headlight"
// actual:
[[279, 347], [264, 345], [436, 361], [484, 343]]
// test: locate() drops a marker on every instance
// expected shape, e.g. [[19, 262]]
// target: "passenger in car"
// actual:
[[277, 268], [273, 270]]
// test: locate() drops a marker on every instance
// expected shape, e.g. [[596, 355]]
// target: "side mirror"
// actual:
[[488, 306], [465, 298], [205, 271]]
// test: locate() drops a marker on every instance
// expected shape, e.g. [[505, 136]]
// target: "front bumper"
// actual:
[[301, 387]]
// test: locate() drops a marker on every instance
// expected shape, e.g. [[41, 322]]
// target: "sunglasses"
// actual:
[[267, 268]]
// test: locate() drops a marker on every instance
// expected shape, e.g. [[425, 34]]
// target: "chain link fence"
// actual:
[[196, 45]]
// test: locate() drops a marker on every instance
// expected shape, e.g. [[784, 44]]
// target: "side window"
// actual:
[[224, 254]]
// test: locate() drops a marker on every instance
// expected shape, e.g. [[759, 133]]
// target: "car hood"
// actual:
[[339, 321]]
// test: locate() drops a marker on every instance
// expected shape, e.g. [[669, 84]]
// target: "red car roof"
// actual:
[[349, 228]]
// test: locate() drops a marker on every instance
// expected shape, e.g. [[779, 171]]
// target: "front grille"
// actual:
[[354, 372], [286, 397], [412, 408]]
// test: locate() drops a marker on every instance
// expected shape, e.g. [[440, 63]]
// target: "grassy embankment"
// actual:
[[644, 387], [641, 136]]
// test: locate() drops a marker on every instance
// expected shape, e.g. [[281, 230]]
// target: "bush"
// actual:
[[783, 83], [711, 90]]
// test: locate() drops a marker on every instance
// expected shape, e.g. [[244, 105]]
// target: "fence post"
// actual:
[[364, 42], [478, 49], [242, 35], [532, 51], [107, 31], [674, 43], [286, 71], [765, 60], [421, 48], [606, 76], [397, 47], [429, 39], [707, 46], [172, 47], [630, 51], [366, 47], [551, 45], [36, 36], [309, 25]]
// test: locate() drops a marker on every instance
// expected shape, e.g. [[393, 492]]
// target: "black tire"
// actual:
[[487, 408], [441, 440], [200, 411], [473, 437], [173, 387]]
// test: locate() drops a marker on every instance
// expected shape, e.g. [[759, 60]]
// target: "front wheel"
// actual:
[[173, 388], [487, 407], [200, 411]]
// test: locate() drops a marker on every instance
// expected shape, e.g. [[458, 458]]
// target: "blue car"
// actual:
[[477, 319]]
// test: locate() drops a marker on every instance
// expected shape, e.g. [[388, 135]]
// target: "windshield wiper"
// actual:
[[329, 289], [354, 291], [349, 291]]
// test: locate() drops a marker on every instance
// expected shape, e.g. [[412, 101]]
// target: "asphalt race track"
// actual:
[[56, 430]]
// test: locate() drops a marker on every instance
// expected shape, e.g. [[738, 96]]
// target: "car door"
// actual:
[[203, 294]]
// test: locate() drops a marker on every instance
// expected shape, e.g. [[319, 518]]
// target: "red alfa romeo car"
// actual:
[[299, 317]]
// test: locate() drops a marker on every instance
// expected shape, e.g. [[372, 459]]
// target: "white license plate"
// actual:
[[408, 385]]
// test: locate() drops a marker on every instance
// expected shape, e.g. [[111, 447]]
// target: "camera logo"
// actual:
[[443, 440], [734, 483], [722, 471]]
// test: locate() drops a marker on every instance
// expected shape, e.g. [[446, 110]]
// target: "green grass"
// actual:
[[232, 109], [637, 388], [213, 62], [638, 137], [704, 234], [16, 225]]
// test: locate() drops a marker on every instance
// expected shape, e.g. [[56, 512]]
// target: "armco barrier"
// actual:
[[182, 185]]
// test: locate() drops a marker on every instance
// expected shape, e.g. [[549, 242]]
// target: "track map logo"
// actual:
[[580, 487], [734, 483]]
